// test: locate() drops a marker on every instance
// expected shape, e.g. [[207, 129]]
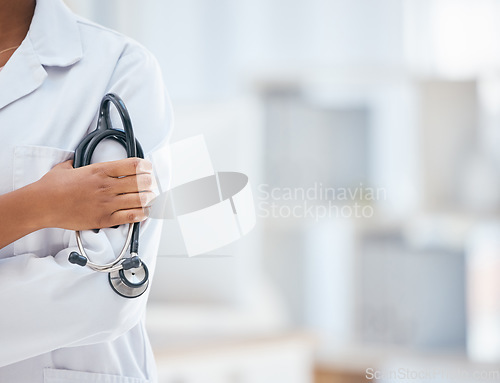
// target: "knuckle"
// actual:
[[102, 221], [106, 215], [131, 216], [136, 163], [146, 198], [104, 187], [143, 199], [148, 181], [97, 169]]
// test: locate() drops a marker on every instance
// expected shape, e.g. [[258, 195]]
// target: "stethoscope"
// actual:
[[128, 276]]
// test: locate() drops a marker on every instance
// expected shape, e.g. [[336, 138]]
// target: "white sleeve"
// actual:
[[48, 303]]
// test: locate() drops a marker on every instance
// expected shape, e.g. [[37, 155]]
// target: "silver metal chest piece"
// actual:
[[130, 283]]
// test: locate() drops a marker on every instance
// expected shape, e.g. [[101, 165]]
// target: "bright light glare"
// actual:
[[465, 36]]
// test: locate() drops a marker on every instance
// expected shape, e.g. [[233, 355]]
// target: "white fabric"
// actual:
[[60, 322]]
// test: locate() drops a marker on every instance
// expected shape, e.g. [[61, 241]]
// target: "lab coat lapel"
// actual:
[[21, 76], [53, 40]]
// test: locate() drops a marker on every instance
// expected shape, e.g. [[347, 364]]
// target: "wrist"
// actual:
[[38, 205], [23, 212]]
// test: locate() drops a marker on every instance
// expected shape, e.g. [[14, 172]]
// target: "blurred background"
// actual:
[[369, 131]]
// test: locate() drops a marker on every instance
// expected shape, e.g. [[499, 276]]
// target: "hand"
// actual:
[[96, 196]]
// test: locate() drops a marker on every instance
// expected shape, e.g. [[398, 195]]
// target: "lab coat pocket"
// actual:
[[30, 164], [51, 375]]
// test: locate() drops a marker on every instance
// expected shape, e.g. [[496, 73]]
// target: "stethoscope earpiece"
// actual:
[[77, 259]]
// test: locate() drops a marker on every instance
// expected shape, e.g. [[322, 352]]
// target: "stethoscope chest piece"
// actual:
[[130, 283]]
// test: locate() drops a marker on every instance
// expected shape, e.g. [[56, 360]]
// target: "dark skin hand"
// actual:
[[99, 195], [95, 196]]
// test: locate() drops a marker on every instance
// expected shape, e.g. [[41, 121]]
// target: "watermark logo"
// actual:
[[404, 374], [318, 201]]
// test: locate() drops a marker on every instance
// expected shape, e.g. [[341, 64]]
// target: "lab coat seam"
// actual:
[[128, 43], [85, 22], [125, 57]]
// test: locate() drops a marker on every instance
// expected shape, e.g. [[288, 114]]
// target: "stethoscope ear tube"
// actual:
[[129, 277], [105, 130]]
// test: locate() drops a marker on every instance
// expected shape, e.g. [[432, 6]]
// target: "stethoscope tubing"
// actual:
[[83, 157], [107, 267]]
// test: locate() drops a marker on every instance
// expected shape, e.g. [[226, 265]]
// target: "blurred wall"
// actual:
[[398, 95], [214, 49]]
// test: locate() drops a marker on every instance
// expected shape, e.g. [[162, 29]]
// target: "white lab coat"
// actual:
[[60, 322]]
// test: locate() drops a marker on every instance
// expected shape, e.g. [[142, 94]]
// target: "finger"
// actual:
[[126, 167], [121, 217], [133, 200], [133, 184]]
